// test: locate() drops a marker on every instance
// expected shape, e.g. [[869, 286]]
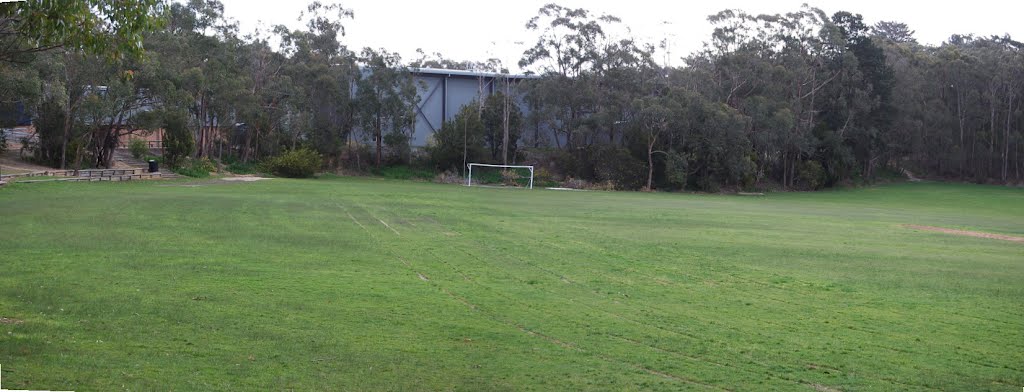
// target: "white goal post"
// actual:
[[469, 177]]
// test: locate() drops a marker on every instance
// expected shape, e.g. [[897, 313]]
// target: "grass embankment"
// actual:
[[365, 283]]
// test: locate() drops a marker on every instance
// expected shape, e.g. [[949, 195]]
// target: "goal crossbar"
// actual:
[[469, 177]]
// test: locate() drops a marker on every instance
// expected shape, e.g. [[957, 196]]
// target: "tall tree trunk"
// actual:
[[960, 118], [380, 149], [247, 149], [504, 139], [536, 135], [465, 147], [1006, 135], [785, 171], [991, 132], [650, 163], [67, 135]]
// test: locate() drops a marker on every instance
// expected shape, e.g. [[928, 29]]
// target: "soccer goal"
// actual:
[[500, 175]]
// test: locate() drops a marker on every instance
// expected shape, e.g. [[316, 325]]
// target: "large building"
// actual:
[[443, 92]]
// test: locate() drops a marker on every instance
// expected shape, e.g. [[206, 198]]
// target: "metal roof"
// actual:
[[471, 74]]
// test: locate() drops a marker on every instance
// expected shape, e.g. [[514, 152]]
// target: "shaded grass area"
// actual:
[[362, 283]]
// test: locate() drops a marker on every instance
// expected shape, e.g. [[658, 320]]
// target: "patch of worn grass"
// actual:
[[364, 283]]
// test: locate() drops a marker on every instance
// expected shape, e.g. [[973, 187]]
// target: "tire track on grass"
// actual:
[[534, 332], [512, 324], [822, 309], [902, 337], [692, 337], [571, 301], [578, 325], [736, 330]]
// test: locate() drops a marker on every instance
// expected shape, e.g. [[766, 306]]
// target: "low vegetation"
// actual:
[[801, 100], [198, 168], [300, 163], [394, 285], [138, 147]]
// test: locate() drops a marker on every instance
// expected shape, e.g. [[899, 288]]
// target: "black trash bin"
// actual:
[[153, 167]]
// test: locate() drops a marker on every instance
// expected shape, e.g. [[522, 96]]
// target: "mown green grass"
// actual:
[[298, 285]]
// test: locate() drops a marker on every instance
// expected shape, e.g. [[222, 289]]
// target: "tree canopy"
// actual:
[[798, 100]]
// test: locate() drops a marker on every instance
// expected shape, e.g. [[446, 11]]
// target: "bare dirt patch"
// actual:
[[11, 163], [245, 178], [967, 233], [218, 181], [7, 320], [824, 388]]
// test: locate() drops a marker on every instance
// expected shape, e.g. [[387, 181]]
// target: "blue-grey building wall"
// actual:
[[442, 93]]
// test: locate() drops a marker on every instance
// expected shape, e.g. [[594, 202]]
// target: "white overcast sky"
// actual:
[[480, 29]]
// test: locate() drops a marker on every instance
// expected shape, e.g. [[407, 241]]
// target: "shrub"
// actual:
[[449, 177], [241, 167], [676, 169], [462, 135], [402, 172], [178, 140], [811, 174], [510, 177], [576, 183], [543, 177], [138, 147], [488, 177], [618, 166], [299, 163], [398, 148], [198, 168], [567, 163], [204, 164], [3, 141]]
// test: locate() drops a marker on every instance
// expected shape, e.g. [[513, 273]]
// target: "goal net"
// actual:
[[482, 174]]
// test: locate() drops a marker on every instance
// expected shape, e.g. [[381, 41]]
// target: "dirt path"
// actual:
[[10, 163], [967, 233]]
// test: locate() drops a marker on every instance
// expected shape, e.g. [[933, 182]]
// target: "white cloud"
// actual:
[[476, 30]]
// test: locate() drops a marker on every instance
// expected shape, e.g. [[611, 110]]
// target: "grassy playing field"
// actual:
[[368, 284]]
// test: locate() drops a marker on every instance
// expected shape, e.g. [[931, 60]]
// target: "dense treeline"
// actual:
[[218, 94], [801, 100], [804, 100]]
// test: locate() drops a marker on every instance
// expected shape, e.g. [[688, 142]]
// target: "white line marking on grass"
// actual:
[[388, 226], [354, 220], [382, 221]]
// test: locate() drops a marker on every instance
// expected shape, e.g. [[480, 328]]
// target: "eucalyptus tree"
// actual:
[[266, 103], [319, 109], [109, 28], [386, 98], [503, 122], [198, 51], [784, 58], [110, 109], [894, 31], [568, 49]]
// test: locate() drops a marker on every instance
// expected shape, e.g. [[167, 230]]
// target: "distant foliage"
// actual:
[[805, 99], [178, 140], [812, 175], [617, 166], [459, 140], [241, 167], [198, 168], [50, 132], [403, 172], [139, 148], [299, 163]]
